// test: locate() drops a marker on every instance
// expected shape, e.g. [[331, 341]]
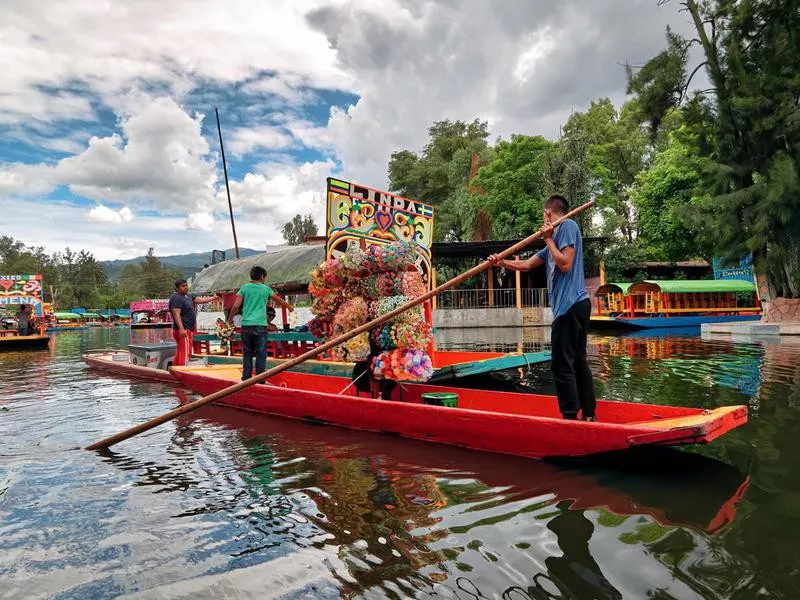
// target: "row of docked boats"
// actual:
[[652, 304], [521, 424]]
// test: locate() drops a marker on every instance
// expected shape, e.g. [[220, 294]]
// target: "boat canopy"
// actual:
[[67, 316], [288, 269], [693, 286], [613, 288], [91, 315]]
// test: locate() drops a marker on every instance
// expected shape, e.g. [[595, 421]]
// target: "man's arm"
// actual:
[[281, 302], [176, 318], [235, 308], [564, 257], [205, 299]]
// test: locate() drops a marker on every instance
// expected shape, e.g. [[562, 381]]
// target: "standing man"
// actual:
[[184, 320], [24, 320], [253, 298], [563, 255]]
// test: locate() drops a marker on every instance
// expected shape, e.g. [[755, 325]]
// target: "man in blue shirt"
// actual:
[[563, 256]]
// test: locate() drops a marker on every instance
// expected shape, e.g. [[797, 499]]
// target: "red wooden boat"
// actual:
[[118, 362], [626, 485], [504, 422]]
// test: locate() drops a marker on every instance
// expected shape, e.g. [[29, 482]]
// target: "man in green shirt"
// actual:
[[253, 298]]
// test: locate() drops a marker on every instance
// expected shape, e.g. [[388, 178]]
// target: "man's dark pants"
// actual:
[[573, 378], [254, 342]]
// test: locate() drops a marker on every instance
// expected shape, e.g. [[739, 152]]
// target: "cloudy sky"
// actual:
[[108, 137]]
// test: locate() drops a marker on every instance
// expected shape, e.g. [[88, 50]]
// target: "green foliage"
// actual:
[[659, 85], [443, 165], [662, 194], [298, 229], [514, 185], [751, 135]]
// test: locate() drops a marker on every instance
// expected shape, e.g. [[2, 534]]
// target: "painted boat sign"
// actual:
[[356, 213], [21, 289]]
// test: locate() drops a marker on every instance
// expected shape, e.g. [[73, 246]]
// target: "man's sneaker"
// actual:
[[591, 419]]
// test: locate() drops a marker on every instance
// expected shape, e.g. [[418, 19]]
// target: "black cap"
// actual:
[[179, 282]]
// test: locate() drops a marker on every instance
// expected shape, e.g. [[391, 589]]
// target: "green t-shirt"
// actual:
[[255, 297]]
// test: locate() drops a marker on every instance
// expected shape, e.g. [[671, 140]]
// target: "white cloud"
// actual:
[[104, 214], [25, 180], [200, 222], [246, 139], [160, 159], [281, 191], [110, 48]]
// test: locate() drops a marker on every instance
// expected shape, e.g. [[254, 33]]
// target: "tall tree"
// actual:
[[157, 281], [513, 186], [444, 163], [751, 56], [298, 229]]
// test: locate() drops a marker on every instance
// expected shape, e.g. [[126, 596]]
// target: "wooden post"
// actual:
[[490, 280], [602, 272], [518, 281], [433, 285]]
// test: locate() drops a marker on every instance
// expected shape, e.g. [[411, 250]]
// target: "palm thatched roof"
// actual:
[[288, 269]]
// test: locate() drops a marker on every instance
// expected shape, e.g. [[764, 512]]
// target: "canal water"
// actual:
[[226, 504]]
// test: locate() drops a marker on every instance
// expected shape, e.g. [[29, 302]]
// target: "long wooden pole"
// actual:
[[227, 187], [128, 433]]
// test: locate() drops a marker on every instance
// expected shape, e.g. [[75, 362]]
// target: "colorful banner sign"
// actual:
[[356, 213], [21, 289]]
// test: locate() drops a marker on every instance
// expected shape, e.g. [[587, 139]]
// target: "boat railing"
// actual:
[[484, 298]]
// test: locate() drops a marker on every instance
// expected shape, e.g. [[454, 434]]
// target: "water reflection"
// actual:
[[224, 503]]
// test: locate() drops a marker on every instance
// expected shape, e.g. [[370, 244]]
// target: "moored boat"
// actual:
[[9, 340], [120, 362], [503, 422], [150, 314], [655, 304]]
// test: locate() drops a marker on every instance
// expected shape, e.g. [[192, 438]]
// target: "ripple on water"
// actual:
[[228, 504]]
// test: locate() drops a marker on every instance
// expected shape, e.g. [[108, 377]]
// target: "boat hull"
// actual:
[[151, 325], [24, 342], [105, 361], [502, 422], [667, 322]]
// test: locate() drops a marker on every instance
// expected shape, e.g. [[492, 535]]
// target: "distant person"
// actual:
[[253, 298], [24, 320], [184, 320], [271, 314], [563, 255]]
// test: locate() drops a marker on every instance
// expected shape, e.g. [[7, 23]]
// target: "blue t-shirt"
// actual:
[[565, 289], [186, 303]]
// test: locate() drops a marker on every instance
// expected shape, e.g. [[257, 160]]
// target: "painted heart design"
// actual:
[[7, 283], [383, 220]]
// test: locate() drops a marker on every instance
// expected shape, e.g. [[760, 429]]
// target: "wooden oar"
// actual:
[[114, 439]]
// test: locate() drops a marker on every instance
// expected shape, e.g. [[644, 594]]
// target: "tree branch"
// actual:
[[685, 88]]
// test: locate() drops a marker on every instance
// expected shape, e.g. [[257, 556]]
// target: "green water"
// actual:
[[226, 504]]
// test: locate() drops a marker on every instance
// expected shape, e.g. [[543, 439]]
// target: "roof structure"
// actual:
[[688, 286], [288, 269], [613, 287], [66, 315]]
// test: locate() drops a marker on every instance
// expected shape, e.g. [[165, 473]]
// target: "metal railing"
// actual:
[[504, 298]]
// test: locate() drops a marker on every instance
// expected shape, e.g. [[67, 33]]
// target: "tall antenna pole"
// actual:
[[227, 187]]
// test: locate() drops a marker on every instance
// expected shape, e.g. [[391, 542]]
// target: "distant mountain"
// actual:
[[189, 264]]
